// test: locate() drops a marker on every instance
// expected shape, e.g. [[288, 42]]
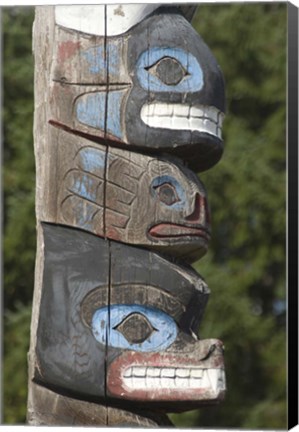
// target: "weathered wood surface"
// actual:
[[50, 408], [114, 323]]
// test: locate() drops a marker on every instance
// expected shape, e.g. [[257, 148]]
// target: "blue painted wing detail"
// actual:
[[90, 109], [93, 160]]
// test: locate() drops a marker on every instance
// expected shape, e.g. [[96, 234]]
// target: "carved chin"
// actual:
[[165, 378], [183, 117]]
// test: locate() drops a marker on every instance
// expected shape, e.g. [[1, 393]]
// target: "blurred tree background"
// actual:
[[245, 266]]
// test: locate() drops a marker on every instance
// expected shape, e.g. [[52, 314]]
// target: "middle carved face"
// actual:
[[134, 198]]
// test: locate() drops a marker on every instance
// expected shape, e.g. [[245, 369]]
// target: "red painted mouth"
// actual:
[[154, 377], [173, 230]]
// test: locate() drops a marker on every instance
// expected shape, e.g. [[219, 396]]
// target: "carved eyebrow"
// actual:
[[155, 296]]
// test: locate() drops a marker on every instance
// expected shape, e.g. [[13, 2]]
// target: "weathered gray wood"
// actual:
[[112, 113], [43, 48], [49, 408]]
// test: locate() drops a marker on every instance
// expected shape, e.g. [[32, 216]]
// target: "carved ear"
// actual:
[[188, 11]]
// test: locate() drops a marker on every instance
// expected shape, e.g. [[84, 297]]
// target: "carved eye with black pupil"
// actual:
[[135, 328], [167, 194], [168, 70]]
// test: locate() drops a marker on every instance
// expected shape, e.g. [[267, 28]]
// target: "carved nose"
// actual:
[[201, 211]]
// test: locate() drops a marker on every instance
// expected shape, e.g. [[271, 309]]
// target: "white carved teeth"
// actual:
[[196, 373], [153, 372], [140, 372], [169, 373], [183, 117], [138, 377]]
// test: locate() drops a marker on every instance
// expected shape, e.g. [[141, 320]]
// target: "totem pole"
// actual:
[[129, 104]]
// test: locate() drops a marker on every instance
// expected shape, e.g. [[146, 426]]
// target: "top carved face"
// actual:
[[178, 90], [157, 86]]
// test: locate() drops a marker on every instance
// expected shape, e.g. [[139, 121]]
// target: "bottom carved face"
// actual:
[[128, 334]]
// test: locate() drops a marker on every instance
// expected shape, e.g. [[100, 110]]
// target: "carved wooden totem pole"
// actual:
[[129, 104]]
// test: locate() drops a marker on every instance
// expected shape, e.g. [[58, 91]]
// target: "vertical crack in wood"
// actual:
[[108, 324], [148, 78], [106, 62]]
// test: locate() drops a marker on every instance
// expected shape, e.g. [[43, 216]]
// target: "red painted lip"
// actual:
[[173, 230], [117, 388]]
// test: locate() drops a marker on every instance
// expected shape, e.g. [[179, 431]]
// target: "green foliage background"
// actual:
[[245, 266]]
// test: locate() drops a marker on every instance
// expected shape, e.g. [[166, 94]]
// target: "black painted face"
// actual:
[[156, 87], [80, 335], [177, 99]]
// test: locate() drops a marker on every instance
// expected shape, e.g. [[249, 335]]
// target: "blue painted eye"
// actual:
[[135, 327], [169, 69], [169, 191], [167, 194]]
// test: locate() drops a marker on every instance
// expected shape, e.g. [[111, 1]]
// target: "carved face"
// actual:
[[178, 213], [158, 86], [178, 91], [152, 202], [140, 347]]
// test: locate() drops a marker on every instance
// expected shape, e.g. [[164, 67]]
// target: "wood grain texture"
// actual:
[[49, 408]]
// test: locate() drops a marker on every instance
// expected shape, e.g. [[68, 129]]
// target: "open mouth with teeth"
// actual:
[[139, 377], [200, 118], [167, 377]]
